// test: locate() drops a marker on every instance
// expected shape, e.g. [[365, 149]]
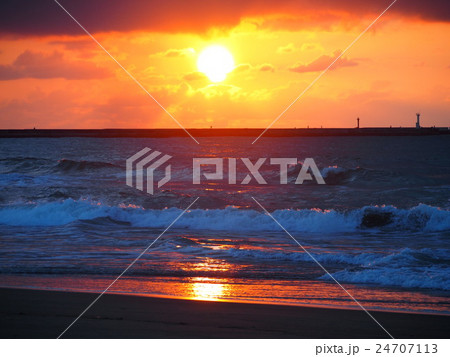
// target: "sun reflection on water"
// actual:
[[208, 289]]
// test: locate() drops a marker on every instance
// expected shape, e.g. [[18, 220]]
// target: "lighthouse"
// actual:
[[418, 121]]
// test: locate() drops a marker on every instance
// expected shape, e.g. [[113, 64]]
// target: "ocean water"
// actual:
[[380, 225]]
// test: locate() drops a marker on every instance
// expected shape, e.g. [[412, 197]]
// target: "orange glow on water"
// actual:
[[207, 289], [305, 293], [209, 265]]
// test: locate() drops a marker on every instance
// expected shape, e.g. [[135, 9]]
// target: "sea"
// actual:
[[379, 226]]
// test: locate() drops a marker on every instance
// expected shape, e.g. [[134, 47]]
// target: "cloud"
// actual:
[[289, 48], [245, 67], [220, 90], [44, 66], [174, 53], [76, 45], [322, 62], [84, 48], [311, 47], [194, 76], [266, 67], [34, 18]]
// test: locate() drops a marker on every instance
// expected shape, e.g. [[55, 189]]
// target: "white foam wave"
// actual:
[[424, 268], [422, 217]]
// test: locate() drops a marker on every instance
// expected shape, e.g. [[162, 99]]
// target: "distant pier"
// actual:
[[166, 133]]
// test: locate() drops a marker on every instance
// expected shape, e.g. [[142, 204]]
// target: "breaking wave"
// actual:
[[409, 268], [419, 218]]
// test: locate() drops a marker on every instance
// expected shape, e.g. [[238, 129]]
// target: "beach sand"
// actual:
[[45, 314]]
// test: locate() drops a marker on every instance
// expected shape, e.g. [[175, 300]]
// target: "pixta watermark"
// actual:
[[141, 167]]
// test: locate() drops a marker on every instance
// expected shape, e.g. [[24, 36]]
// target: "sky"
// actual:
[[53, 75]]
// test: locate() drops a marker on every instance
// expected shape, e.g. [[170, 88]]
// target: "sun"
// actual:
[[215, 62]]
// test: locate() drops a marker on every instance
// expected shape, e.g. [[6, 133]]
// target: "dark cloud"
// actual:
[[44, 66], [45, 17], [75, 45], [322, 62]]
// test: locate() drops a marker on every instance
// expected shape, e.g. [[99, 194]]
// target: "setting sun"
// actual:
[[215, 62], [241, 170]]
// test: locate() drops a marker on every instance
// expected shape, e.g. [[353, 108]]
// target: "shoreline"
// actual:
[[28, 313], [238, 301], [223, 132]]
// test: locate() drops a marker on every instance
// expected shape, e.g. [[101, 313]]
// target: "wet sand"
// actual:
[[45, 314]]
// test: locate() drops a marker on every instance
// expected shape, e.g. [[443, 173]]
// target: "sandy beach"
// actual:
[[45, 314]]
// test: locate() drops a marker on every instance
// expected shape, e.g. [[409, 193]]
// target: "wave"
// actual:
[[420, 218], [69, 166], [23, 164], [335, 175], [409, 268], [25, 181]]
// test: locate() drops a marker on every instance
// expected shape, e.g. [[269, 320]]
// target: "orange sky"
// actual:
[[57, 77]]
